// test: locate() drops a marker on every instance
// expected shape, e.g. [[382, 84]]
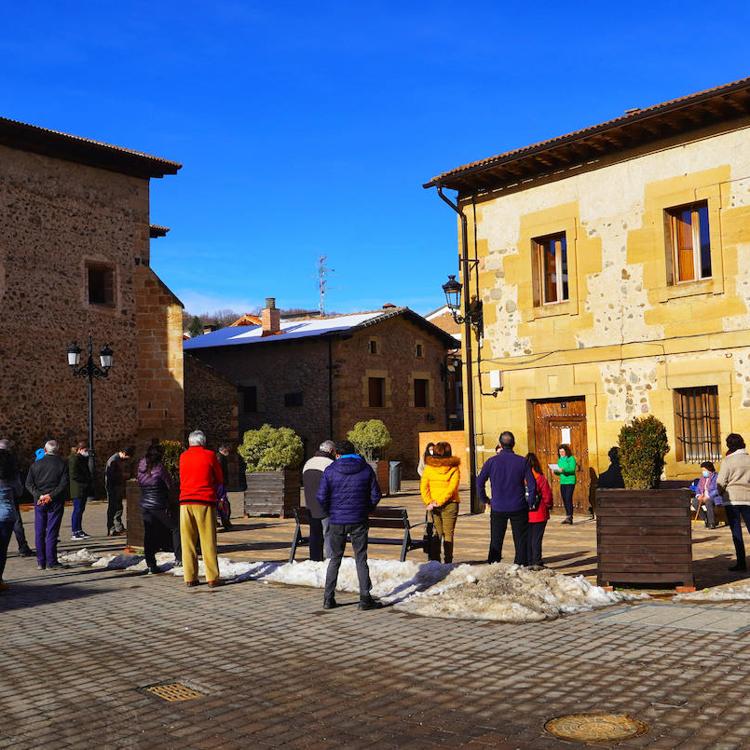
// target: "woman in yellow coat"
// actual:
[[439, 488]]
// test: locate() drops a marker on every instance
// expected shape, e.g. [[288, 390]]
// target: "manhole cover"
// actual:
[[172, 691], [595, 727]]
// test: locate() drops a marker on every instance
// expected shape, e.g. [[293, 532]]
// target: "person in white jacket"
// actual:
[[733, 483]]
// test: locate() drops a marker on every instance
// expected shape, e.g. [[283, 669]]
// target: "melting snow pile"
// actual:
[[505, 593], [735, 592], [508, 593]]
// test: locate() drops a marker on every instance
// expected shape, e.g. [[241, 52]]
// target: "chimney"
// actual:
[[209, 328], [271, 317]]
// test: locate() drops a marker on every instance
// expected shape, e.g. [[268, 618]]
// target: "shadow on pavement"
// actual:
[[23, 595]]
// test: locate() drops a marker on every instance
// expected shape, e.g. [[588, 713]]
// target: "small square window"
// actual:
[[421, 391], [372, 346], [690, 242], [419, 351], [293, 399], [552, 263], [100, 284], [376, 392], [249, 398]]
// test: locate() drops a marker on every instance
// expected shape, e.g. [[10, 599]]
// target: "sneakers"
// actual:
[[39, 566], [153, 570], [121, 532], [56, 566], [366, 604], [76, 535], [329, 604], [26, 551]]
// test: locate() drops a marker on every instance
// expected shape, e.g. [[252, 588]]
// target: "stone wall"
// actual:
[[54, 216], [627, 337], [302, 365], [211, 403], [161, 394]]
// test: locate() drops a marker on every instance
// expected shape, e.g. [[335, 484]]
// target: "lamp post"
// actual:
[[90, 370], [471, 319]]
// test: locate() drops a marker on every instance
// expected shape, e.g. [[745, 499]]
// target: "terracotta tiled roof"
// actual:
[[725, 102], [26, 137]]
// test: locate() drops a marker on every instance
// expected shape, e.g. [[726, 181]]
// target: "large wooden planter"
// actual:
[[134, 518], [644, 536], [382, 473], [272, 493]]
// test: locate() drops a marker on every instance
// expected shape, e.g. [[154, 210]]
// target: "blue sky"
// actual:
[[309, 128]]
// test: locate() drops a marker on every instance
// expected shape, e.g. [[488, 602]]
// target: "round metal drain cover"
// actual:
[[595, 727]]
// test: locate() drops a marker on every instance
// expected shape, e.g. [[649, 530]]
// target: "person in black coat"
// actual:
[[312, 473], [48, 483]]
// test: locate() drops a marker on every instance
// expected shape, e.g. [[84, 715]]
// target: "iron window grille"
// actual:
[[697, 416]]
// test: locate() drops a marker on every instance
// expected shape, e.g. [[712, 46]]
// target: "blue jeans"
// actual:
[[76, 519], [566, 492], [6, 532], [736, 514]]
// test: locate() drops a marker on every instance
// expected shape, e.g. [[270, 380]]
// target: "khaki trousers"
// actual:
[[444, 519], [199, 522]]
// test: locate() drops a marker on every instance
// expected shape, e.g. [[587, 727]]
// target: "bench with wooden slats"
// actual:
[[380, 518]]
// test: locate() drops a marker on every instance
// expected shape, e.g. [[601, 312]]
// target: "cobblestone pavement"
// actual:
[[277, 671]]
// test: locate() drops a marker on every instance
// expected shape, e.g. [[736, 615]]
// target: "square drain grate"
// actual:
[[172, 692]]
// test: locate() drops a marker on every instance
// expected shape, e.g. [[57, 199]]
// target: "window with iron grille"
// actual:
[[697, 424]]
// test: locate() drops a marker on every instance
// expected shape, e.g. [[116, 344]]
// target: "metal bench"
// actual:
[[380, 518]]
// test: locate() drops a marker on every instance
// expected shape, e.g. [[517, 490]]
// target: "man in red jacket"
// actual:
[[200, 475]]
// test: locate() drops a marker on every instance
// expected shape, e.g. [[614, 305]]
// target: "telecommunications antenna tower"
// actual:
[[323, 271]]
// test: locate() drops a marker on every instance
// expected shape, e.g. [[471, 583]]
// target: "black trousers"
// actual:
[[736, 514], [19, 530], [156, 525], [566, 492], [357, 532], [316, 539], [536, 533], [519, 523]]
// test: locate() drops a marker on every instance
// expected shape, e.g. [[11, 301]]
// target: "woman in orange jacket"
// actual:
[[439, 488]]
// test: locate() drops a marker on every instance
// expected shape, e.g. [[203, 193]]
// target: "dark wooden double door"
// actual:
[[557, 421]]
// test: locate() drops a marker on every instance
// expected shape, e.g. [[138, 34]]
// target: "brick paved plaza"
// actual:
[[274, 670]]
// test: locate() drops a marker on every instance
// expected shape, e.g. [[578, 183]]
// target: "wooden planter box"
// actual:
[[134, 518], [272, 493], [644, 536], [382, 473]]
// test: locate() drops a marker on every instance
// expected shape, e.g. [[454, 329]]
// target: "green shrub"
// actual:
[[172, 451], [643, 446], [271, 449], [370, 438]]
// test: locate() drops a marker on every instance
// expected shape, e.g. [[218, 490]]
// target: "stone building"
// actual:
[[75, 240], [442, 317], [320, 376], [614, 271]]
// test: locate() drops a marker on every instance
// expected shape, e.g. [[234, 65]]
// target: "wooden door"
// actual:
[[556, 421]]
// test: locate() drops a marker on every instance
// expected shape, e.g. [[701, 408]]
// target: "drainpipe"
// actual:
[[330, 389], [476, 505]]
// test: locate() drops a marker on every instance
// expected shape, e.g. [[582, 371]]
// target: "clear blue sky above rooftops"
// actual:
[[307, 129]]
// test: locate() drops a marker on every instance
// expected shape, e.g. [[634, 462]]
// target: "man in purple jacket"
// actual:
[[348, 492], [512, 482]]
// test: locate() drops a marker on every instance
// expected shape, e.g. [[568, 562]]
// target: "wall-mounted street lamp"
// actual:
[[473, 316], [90, 370]]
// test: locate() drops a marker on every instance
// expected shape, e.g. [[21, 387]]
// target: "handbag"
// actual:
[[430, 540]]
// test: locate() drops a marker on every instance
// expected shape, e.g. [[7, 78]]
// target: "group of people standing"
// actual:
[[520, 496]]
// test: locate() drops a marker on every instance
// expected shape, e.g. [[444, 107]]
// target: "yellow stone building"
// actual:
[[613, 264]]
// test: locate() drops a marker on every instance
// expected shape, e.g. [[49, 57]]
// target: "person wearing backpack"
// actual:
[[539, 515]]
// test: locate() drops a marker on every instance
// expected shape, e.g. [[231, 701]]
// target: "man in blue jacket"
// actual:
[[348, 492], [512, 482]]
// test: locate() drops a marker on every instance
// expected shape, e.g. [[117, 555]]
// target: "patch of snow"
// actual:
[[79, 556], [505, 593], [738, 592]]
